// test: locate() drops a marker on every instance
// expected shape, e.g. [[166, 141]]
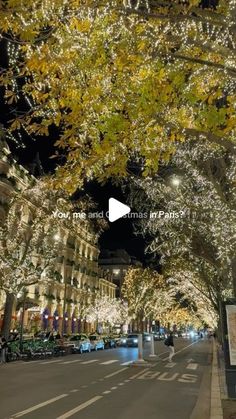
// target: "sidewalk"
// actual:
[[219, 387], [216, 411]]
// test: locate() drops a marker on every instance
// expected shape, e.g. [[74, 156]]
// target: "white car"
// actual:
[[79, 343], [96, 342]]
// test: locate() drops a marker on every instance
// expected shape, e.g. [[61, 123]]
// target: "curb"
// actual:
[[216, 411]]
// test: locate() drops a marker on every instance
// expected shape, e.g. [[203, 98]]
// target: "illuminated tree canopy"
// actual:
[[124, 81], [197, 227]]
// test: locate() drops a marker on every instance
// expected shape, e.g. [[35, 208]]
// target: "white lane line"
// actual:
[[116, 372], [114, 388], [89, 362], [74, 391], [70, 362], [140, 373], [170, 365], [109, 362], [80, 407], [121, 384], [50, 362], [107, 392], [38, 406], [191, 344], [127, 363], [192, 366]]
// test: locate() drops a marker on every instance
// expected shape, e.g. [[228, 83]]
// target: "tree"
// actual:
[[196, 227], [28, 249], [107, 310], [147, 295], [124, 81], [194, 292]]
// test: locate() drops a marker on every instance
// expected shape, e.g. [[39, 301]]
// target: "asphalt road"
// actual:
[[101, 384]]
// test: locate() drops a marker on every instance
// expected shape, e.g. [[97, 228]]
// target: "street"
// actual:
[[102, 383]]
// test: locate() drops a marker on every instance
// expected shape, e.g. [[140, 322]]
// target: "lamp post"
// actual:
[[57, 238], [20, 294]]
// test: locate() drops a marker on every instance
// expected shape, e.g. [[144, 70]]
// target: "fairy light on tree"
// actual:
[[121, 79], [203, 233], [147, 294]]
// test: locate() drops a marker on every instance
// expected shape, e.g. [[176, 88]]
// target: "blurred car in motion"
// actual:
[[79, 343], [146, 337], [96, 342], [122, 341], [132, 340], [158, 336]]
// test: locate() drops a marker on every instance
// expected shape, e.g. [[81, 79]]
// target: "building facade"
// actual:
[[57, 302], [116, 263]]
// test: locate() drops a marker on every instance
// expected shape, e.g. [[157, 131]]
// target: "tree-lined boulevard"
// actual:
[[134, 97]]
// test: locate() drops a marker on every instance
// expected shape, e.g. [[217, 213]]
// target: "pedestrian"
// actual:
[[169, 342], [3, 346]]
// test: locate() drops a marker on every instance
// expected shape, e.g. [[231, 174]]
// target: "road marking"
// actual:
[[170, 365], [121, 384], [116, 372], [50, 362], [80, 407], [188, 378], [140, 373], [107, 392], [89, 362], [70, 362], [148, 375], [74, 391], [167, 376], [127, 381], [114, 388], [84, 386], [191, 344], [164, 376], [127, 363], [38, 406], [109, 362], [192, 366]]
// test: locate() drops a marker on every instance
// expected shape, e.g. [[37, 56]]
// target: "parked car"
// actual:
[[122, 341], [132, 340], [109, 342], [96, 342], [80, 343]]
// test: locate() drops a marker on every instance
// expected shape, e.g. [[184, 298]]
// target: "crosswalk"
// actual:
[[88, 362], [60, 361]]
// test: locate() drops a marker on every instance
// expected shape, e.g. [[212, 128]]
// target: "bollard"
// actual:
[[140, 361], [140, 347], [152, 354]]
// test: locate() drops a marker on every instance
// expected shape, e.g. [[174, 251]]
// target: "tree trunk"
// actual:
[[10, 299]]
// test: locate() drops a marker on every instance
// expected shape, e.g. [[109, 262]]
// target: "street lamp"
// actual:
[[23, 294], [175, 181]]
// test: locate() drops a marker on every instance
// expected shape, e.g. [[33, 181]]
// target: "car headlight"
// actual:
[[123, 340], [135, 340]]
